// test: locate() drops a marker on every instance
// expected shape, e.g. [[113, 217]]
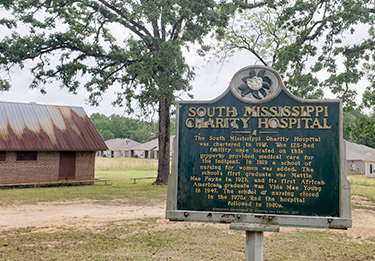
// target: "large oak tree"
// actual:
[[135, 44]]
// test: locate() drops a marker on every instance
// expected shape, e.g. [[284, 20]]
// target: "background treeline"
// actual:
[[116, 126], [359, 127]]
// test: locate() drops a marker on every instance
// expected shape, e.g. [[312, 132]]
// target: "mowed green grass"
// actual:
[[120, 187], [362, 186], [158, 239], [148, 240]]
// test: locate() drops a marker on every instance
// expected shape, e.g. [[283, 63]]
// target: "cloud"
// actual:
[[211, 81]]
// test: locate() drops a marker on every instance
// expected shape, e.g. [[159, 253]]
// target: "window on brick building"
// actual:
[[27, 155], [3, 155]]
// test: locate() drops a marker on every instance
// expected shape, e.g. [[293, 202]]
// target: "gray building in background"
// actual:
[[150, 149], [360, 159], [119, 148], [127, 148]]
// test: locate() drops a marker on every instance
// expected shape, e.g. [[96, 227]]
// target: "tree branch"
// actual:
[[177, 27], [128, 23], [248, 47]]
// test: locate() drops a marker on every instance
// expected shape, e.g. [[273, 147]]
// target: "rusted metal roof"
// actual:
[[31, 126]]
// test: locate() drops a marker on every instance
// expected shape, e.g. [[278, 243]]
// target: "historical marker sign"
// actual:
[[259, 154]]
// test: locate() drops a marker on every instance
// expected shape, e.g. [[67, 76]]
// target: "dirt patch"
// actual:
[[77, 214], [363, 217], [363, 224], [91, 214]]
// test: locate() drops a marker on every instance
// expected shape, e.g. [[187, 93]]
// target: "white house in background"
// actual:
[[360, 159], [149, 150], [119, 148]]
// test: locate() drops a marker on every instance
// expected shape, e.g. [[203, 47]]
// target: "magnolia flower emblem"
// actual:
[[256, 84]]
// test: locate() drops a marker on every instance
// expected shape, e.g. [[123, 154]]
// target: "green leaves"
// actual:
[[316, 45], [135, 45], [359, 127], [4, 85], [116, 126]]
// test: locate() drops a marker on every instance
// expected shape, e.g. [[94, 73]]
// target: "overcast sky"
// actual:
[[211, 80]]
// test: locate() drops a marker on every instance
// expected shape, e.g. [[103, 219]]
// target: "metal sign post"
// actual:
[[254, 238]]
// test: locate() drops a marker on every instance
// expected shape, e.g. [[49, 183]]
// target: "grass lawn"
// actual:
[[148, 240], [362, 186], [156, 238], [121, 186]]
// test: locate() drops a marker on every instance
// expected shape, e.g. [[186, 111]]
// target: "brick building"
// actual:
[[46, 143]]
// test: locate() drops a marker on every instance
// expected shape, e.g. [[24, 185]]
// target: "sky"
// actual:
[[211, 81]]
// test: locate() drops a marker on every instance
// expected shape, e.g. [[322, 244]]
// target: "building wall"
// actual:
[[146, 154], [370, 170], [44, 169], [115, 154], [360, 167], [85, 165]]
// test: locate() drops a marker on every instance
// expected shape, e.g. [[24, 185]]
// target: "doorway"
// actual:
[[67, 165]]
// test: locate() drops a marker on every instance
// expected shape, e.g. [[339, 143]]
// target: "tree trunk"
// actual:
[[163, 141]]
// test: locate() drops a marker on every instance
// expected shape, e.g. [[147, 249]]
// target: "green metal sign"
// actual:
[[279, 157], [259, 150]]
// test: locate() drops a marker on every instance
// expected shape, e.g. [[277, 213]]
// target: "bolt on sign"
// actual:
[[258, 154]]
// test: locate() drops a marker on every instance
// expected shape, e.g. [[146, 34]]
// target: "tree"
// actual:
[[359, 127], [116, 126], [107, 135], [317, 46], [136, 44]]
